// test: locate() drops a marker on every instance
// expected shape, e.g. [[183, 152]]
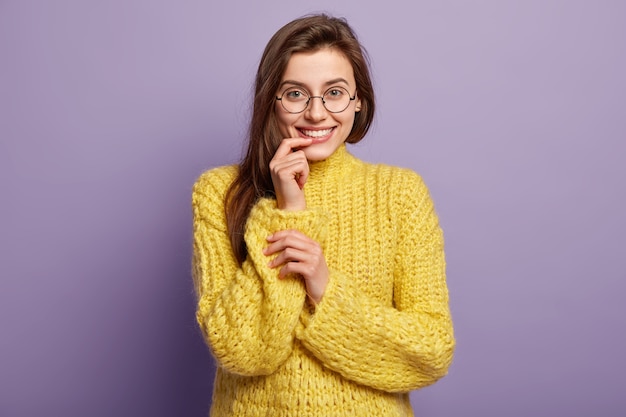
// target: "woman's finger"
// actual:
[[287, 238], [288, 255], [288, 145], [294, 248], [282, 246], [290, 169], [299, 254]]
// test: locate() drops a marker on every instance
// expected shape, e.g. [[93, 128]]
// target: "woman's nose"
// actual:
[[316, 110]]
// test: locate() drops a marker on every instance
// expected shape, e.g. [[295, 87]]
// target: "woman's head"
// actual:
[[307, 35]]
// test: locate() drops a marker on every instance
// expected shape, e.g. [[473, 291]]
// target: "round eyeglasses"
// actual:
[[296, 99]]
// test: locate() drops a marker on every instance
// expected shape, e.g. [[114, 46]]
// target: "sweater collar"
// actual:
[[335, 163]]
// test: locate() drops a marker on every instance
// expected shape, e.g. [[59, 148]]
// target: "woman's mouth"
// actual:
[[316, 135]]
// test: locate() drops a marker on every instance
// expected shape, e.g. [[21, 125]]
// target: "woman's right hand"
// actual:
[[290, 169]]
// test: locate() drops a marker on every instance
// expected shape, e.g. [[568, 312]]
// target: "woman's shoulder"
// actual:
[[394, 177], [209, 192], [215, 181]]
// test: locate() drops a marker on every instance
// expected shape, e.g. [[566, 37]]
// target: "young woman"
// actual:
[[320, 278]]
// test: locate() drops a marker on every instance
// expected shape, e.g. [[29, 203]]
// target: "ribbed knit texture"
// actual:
[[383, 327]]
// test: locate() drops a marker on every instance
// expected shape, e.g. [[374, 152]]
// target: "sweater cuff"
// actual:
[[266, 218], [339, 301]]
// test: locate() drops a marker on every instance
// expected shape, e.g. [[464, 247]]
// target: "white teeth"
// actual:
[[316, 133]]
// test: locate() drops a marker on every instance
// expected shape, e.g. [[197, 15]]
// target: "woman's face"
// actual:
[[325, 71]]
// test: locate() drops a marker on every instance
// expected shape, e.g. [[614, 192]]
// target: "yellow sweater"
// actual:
[[383, 327]]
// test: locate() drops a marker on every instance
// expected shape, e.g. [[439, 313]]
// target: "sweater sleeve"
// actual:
[[247, 314], [392, 348]]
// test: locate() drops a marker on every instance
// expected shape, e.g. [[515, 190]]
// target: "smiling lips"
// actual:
[[316, 134]]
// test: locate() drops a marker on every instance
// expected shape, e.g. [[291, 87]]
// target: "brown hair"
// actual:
[[306, 34]]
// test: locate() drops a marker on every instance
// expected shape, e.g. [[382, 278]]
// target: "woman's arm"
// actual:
[[399, 348], [247, 314], [296, 253]]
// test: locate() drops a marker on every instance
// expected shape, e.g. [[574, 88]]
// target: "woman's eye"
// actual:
[[334, 93], [294, 94]]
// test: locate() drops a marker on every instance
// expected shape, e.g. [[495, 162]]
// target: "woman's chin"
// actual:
[[318, 152]]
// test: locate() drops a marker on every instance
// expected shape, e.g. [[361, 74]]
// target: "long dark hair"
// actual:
[[307, 34]]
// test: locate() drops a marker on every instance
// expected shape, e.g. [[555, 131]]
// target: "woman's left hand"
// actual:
[[299, 254]]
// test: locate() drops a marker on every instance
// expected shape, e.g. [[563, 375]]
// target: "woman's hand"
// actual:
[[299, 254], [290, 169]]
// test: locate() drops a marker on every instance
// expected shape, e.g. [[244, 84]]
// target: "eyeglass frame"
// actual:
[[320, 97]]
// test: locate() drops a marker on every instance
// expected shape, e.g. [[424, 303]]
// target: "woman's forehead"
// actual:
[[317, 69]]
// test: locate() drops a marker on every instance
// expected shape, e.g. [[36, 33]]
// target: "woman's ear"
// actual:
[[357, 108]]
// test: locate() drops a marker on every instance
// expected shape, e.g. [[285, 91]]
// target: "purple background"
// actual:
[[514, 112]]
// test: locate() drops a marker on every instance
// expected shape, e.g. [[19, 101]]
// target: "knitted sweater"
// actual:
[[383, 327]]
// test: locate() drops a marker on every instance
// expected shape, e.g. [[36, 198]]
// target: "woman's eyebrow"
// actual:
[[337, 80], [292, 82], [327, 83]]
